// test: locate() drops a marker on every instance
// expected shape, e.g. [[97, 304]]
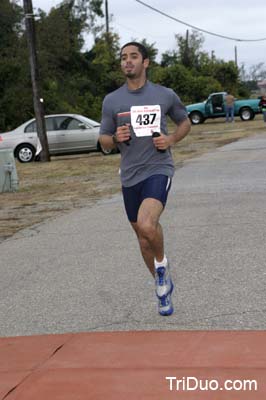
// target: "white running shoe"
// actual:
[[163, 282], [165, 306]]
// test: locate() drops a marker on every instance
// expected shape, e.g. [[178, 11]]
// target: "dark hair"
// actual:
[[142, 49]]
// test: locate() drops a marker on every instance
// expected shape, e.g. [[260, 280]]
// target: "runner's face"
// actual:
[[132, 63]]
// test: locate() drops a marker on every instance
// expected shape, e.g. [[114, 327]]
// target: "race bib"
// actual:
[[145, 120]]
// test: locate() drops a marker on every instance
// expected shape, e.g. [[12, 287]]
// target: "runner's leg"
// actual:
[[150, 237], [149, 232]]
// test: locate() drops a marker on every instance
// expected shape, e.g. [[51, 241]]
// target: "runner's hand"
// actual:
[[161, 142], [123, 133]]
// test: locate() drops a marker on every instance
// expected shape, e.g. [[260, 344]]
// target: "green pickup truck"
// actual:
[[214, 107]]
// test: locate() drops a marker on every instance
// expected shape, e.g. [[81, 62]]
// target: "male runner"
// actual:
[[130, 117]]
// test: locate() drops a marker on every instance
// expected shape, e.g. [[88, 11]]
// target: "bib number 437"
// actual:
[[145, 119]]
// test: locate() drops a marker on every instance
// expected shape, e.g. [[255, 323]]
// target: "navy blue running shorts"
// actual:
[[155, 187]]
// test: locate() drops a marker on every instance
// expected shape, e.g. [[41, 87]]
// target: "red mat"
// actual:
[[135, 365]]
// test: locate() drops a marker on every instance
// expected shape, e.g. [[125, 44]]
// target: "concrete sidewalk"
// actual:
[[82, 272]]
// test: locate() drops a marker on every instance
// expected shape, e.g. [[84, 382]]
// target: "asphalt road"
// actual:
[[83, 272]]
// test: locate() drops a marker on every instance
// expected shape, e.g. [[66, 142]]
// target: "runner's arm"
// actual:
[[180, 132], [107, 142], [164, 141], [121, 135]]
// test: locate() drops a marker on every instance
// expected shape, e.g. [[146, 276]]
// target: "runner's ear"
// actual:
[[146, 62]]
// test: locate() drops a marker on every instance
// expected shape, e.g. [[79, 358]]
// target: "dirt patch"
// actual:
[[66, 183]]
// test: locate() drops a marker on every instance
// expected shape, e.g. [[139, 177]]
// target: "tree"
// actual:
[[189, 49], [152, 51], [176, 77], [75, 80], [105, 59], [62, 62], [11, 64], [10, 25], [169, 58], [227, 74], [257, 72]]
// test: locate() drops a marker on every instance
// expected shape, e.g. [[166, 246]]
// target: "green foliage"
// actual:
[[10, 25], [74, 80], [152, 51], [245, 88], [176, 77], [202, 86], [189, 49], [14, 77], [227, 74], [190, 87], [169, 58], [105, 62]]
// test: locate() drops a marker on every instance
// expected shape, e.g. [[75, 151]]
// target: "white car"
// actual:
[[66, 134]]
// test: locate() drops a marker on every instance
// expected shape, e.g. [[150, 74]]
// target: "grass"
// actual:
[[68, 182]]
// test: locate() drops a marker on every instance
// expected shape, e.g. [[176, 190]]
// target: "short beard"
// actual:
[[130, 75]]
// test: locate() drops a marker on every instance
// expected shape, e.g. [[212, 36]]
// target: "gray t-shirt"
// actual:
[[146, 110]]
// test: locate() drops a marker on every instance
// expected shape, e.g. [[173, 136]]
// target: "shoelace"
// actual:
[[161, 272], [165, 301]]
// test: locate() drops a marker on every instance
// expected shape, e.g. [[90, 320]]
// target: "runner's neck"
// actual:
[[135, 84]]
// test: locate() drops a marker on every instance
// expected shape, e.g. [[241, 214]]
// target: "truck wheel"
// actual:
[[196, 118], [246, 114]]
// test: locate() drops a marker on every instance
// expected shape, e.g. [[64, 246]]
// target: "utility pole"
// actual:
[[37, 102], [106, 16], [186, 51], [235, 55]]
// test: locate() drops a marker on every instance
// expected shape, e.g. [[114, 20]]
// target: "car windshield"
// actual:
[[90, 121]]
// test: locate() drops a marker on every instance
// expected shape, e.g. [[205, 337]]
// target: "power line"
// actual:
[[196, 28]]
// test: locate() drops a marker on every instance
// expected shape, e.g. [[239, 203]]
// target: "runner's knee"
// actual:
[[146, 229]]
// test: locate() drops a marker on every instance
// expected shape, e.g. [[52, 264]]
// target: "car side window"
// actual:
[[68, 123], [49, 123], [73, 124], [32, 127], [59, 123]]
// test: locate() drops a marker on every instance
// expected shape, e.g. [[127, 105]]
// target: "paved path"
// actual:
[[82, 272]]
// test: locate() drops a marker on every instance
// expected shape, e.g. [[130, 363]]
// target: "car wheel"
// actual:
[[196, 118], [246, 114], [105, 151], [25, 153]]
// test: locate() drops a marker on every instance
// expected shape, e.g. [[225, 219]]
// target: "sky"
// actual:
[[240, 19]]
